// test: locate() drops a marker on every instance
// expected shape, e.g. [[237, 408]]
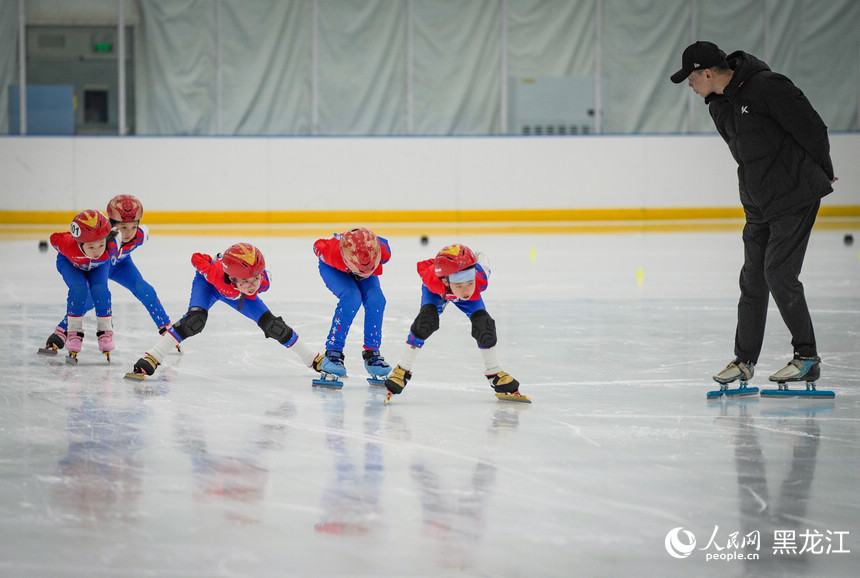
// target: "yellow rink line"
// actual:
[[38, 225]]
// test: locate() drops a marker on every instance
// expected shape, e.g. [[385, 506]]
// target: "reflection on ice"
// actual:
[[227, 462], [101, 473]]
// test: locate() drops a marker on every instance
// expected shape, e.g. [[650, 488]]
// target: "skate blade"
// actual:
[[107, 355], [516, 396], [72, 358], [798, 393], [387, 398], [328, 380], [809, 392], [47, 351], [789, 393], [733, 393], [378, 381], [134, 376]]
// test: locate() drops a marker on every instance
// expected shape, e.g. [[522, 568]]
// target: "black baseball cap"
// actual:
[[699, 55]]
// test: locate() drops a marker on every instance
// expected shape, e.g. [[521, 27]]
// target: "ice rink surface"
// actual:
[[229, 463]]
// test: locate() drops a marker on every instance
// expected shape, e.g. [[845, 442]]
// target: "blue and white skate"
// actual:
[[376, 367], [331, 368], [806, 369], [734, 371]]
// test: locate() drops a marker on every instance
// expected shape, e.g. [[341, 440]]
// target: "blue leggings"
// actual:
[[352, 293], [430, 298], [204, 295], [83, 286], [126, 274]]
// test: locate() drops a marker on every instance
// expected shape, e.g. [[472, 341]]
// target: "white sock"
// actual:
[[75, 324], [305, 353], [407, 358], [492, 366], [104, 323], [165, 344]]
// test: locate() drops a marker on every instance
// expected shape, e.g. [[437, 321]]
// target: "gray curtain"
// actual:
[[435, 67], [8, 57]]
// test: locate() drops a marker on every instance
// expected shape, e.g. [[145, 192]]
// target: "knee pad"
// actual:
[[483, 328], [191, 323], [275, 327], [426, 323]]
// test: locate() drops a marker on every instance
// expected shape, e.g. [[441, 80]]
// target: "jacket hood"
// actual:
[[745, 65]]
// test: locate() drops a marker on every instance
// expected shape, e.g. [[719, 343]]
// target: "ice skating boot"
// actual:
[[331, 367], [376, 366], [106, 344], [74, 341], [735, 370], [333, 363], [144, 366], [506, 387], [397, 380], [799, 369], [56, 341]]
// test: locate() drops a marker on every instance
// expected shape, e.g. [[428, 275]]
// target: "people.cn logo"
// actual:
[[677, 547]]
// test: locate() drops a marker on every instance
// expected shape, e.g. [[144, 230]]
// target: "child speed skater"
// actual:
[[350, 265], [236, 277], [84, 255], [454, 276], [124, 213]]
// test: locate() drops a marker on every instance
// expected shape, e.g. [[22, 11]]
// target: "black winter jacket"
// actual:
[[778, 140]]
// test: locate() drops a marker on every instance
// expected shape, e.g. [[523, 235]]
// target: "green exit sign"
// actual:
[[103, 47]]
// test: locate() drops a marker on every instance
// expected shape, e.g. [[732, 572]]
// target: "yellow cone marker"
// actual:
[[640, 278], [533, 255]]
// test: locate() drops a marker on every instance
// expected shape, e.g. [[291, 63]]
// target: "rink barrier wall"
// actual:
[[527, 184]]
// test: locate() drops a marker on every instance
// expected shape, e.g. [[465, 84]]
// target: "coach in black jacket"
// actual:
[[784, 169]]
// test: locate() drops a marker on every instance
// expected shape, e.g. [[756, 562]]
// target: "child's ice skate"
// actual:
[[800, 368], [56, 341], [330, 367], [507, 388], [736, 370], [74, 341], [106, 344], [397, 380], [376, 366], [144, 366]]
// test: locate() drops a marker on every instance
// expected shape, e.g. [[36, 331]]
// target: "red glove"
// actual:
[[201, 262]]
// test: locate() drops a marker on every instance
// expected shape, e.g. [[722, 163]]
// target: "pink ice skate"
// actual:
[[106, 344], [74, 340]]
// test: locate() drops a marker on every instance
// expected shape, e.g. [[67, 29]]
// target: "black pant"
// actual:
[[773, 257]]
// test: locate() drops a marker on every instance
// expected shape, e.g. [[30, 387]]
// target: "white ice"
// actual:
[[229, 463]]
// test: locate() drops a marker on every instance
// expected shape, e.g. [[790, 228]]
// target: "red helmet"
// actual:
[[452, 259], [360, 251], [124, 208], [89, 226], [243, 261]]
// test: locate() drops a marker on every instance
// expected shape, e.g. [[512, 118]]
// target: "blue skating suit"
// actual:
[[125, 272], [352, 293]]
